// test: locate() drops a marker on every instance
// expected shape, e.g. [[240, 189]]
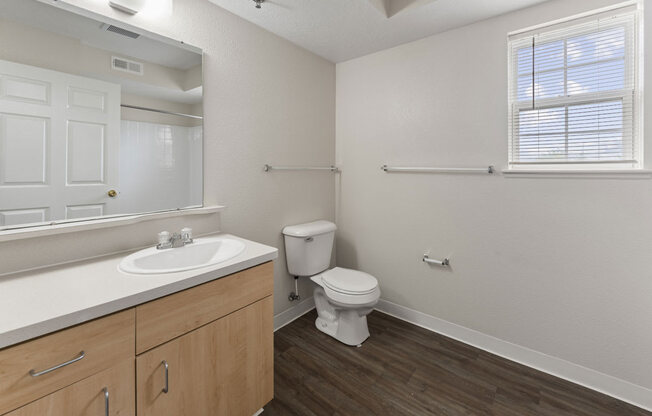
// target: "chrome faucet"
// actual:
[[176, 240]]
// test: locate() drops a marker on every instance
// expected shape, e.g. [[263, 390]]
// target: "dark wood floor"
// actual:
[[406, 370]]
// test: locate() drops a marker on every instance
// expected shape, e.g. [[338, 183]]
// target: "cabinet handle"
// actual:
[[167, 384], [106, 401], [35, 373]]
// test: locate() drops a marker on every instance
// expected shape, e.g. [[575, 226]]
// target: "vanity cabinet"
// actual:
[[222, 368], [207, 350], [213, 348]]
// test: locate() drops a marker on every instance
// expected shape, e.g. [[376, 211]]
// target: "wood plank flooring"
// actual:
[[406, 370]]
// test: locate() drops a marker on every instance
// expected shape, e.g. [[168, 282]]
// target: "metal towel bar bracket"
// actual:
[[444, 263]]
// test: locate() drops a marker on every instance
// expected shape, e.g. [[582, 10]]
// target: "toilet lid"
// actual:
[[349, 281]]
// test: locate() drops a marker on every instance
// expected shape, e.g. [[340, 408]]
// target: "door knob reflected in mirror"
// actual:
[[112, 193]]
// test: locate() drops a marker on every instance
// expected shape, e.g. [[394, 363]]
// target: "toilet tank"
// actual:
[[308, 247]]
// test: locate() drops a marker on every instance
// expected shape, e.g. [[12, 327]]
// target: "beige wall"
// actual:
[[265, 101], [561, 266]]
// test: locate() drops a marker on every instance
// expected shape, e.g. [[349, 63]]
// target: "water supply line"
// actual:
[[295, 295]]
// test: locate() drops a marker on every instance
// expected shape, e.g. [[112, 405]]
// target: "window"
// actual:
[[574, 98]]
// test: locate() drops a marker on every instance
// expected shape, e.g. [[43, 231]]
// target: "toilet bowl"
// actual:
[[343, 300], [343, 297]]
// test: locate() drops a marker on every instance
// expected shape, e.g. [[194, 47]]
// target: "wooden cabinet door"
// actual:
[[89, 397], [105, 342], [223, 368]]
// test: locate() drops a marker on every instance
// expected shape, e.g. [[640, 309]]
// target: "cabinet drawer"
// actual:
[[114, 387], [24, 374], [164, 319]]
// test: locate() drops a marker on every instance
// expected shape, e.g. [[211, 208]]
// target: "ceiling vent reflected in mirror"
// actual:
[[126, 65]]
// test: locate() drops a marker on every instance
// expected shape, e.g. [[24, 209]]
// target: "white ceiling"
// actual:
[[339, 30]]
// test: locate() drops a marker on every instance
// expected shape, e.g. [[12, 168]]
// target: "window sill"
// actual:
[[579, 173]]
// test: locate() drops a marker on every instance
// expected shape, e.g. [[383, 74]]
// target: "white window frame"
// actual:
[[632, 97]]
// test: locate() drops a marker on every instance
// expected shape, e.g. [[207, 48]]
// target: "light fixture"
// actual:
[[127, 6], [258, 3]]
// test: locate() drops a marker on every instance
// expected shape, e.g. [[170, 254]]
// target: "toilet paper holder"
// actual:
[[444, 263]]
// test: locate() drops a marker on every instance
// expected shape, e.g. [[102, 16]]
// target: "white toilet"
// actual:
[[344, 297]]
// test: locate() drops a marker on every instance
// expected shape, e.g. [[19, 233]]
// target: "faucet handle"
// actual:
[[163, 237], [186, 235]]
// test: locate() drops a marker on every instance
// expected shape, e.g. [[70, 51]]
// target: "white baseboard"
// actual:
[[293, 313], [594, 380]]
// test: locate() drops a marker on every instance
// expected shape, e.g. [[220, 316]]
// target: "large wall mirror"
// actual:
[[96, 119]]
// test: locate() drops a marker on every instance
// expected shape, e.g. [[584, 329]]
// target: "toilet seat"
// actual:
[[348, 287], [349, 282]]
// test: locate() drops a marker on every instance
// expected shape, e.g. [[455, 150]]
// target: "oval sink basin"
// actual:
[[202, 252]]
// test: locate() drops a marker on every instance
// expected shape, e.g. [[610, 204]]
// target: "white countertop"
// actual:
[[38, 302]]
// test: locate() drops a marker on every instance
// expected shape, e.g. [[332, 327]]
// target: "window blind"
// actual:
[[574, 93]]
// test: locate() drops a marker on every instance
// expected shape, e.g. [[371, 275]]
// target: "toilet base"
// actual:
[[347, 324], [327, 327]]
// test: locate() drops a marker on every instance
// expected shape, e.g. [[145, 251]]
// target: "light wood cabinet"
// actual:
[[168, 317], [108, 393], [223, 368], [103, 342], [209, 347]]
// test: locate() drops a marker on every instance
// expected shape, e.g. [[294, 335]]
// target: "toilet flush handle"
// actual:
[[309, 239]]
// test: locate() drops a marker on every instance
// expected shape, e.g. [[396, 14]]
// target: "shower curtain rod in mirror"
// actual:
[[135, 107]]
